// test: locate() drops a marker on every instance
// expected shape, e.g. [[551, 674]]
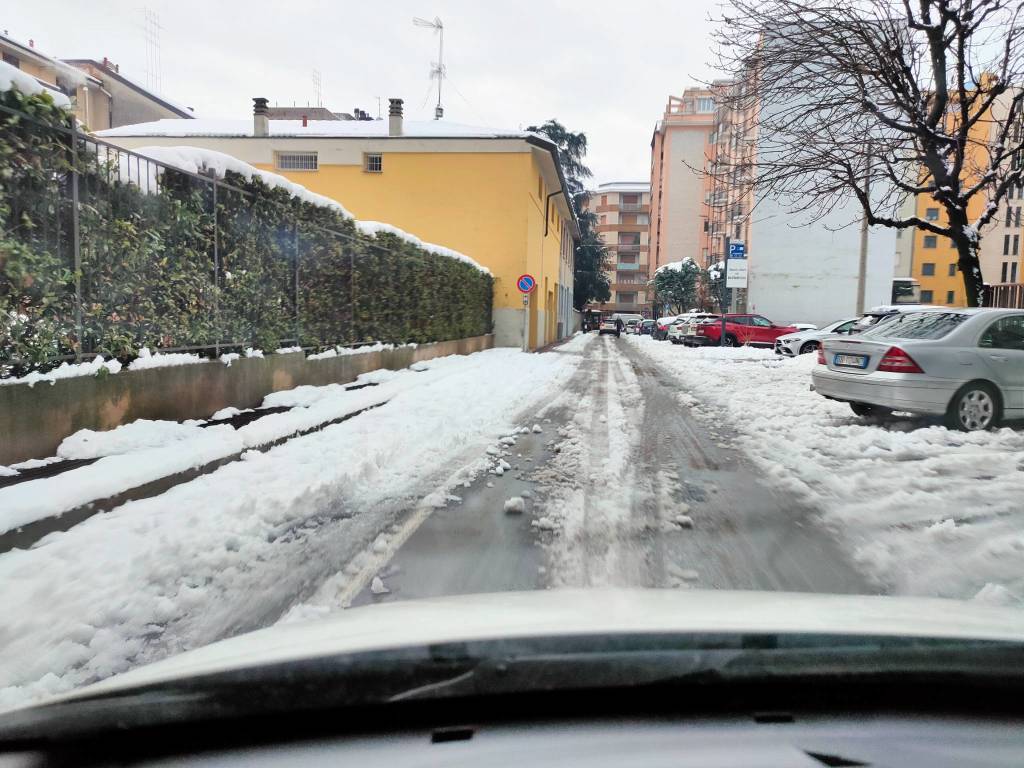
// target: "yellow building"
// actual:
[[496, 196]]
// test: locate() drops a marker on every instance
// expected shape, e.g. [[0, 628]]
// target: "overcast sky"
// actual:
[[605, 68]]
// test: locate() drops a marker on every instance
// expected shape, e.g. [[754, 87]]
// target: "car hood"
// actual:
[[553, 613]]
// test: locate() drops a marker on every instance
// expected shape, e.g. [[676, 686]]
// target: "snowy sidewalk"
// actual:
[[925, 510], [233, 550]]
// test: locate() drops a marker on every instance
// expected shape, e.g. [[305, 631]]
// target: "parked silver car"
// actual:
[[964, 364]]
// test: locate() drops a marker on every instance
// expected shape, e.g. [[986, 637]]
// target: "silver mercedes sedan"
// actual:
[[966, 365]]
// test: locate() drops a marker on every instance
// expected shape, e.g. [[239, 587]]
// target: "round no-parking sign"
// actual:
[[526, 283]]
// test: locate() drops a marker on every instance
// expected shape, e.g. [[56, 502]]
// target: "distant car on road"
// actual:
[[754, 330], [805, 341], [608, 324], [633, 324], [646, 328], [964, 364]]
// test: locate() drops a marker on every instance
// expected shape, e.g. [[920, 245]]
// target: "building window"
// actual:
[[931, 241], [1013, 272], [1016, 244], [704, 253], [931, 214], [928, 269], [604, 199], [373, 162], [1006, 266], [950, 297], [296, 161], [627, 298], [604, 219], [1009, 192], [10, 58], [952, 270], [926, 297], [1006, 245], [1009, 215]]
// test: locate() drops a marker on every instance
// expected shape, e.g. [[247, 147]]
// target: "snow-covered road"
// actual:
[[235, 549], [633, 462], [922, 510]]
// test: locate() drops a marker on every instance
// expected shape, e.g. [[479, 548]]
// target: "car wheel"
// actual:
[[975, 407], [869, 411], [730, 340], [808, 347]]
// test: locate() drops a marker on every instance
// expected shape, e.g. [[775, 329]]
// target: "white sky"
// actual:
[[605, 68]]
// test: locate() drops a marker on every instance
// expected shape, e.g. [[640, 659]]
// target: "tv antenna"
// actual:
[[436, 67], [151, 32], [318, 89]]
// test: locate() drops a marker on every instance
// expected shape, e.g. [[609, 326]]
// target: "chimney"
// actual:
[[394, 117], [305, 122], [260, 118]]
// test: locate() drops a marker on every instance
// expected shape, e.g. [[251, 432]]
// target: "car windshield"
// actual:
[[918, 325], [404, 313]]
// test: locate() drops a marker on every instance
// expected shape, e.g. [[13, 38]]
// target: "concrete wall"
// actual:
[[684, 197], [34, 420]]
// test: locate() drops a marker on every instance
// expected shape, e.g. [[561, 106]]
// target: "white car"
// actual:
[[808, 340], [687, 324]]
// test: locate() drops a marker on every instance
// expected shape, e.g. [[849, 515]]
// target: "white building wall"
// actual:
[[809, 274]]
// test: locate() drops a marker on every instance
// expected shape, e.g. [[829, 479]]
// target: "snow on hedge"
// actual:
[[676, 266], [926, 511], [373, 228], [205, 161], [66, 371], [13, 79]]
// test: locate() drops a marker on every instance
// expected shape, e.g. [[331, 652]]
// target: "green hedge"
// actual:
[[287, 270]]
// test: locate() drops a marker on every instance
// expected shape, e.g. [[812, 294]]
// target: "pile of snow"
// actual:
[[344, 351], [67, 371], [925, 510], [147, 360], [13, 79], [144, 433], [515, 505], [184, 568], [372, 228]]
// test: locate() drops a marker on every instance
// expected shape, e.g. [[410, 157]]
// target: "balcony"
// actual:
[[627, 247], [626, 267], [633, 207]]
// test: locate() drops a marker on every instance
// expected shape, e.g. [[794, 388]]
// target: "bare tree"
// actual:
[[874, 100]]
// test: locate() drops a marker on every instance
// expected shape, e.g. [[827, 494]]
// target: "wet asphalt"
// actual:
[[745, 533]]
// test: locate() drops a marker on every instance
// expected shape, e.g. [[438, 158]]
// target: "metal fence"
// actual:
[[121, 250]]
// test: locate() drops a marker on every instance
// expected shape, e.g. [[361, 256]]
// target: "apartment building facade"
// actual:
[[682, 146], [495, 195], [101, 97], [623, 221]]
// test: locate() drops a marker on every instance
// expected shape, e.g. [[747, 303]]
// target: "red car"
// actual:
[[739, 329]]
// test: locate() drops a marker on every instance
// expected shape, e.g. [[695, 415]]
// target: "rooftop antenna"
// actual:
[[318, 90], [436, 67], [378, 107], [151, 32]]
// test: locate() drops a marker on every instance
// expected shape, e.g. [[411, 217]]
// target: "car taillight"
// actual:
[[821, 356], [898, 361], [662, 327], [700, 329]]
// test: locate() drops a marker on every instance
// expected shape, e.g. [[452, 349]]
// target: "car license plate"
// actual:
[[851, 361]]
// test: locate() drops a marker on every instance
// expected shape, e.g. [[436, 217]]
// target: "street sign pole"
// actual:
[[735, 273], [525, 283]]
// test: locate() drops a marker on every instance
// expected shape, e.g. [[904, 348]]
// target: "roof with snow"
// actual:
[[624, 186], [12, 78], [174, 106], [341, 129]]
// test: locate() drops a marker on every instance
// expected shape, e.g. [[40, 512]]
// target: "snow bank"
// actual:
[[67, 371], [372, 228], [235, 549], [344, 351], [926, 510], [144, 433], [13, 79]]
